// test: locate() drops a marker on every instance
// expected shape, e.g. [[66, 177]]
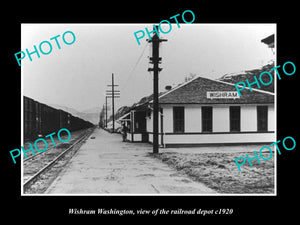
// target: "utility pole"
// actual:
[[105, 111], [113, 94], [101, 117], [155, 60]]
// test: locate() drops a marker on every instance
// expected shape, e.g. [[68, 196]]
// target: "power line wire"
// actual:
[[133, 69]]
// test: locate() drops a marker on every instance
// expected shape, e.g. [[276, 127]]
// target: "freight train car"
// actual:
[[29, 117], [50, 121], [64, 119], [41, 119]]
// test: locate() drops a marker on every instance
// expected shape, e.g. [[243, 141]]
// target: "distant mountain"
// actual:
[[96, 109], [229, 77], [92, 117], [91, 114], [249, 74], [74, 112]]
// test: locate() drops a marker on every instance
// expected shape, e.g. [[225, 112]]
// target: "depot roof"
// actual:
[[268, 40], [206, 91]]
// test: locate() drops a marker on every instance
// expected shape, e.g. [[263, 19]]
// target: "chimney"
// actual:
[[168, 87]]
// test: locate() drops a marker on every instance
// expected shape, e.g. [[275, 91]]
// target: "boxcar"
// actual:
[[41, 119], [29, 118], [49, 119], [64, 119], [38, 118]]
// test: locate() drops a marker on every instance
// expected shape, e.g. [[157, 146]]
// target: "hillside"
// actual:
[[91, 114], [248, 74], [229, 77]]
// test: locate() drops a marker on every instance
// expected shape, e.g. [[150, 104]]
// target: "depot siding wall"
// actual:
[[192, 117], [248, 118], [168, 118], [221, 126], [149, 123], [271, 118], [233, 138], [220, 118], [221, 121]]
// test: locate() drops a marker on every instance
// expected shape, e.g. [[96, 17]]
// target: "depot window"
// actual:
[[262, 118], [178, 119], [206, 119], [235, 118]]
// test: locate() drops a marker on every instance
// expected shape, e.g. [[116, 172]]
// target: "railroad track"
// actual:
[[36, 155], [43, 165], [30, 155]]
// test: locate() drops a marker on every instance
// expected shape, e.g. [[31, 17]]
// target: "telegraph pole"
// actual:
[[101, 117], [105, 111], [113, 94], [155, 60]]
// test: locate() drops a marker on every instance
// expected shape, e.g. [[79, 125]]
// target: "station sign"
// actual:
[[222, 94]]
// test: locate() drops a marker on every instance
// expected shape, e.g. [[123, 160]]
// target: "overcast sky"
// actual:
[[77, 75]]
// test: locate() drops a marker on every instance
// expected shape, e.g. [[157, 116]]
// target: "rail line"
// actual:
[[32, 179], [33, 156], [51, 146]]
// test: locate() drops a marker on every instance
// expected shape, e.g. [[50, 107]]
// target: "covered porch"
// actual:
[[135, 121]]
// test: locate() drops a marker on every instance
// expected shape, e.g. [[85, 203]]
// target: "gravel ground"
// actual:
[[218, 170]]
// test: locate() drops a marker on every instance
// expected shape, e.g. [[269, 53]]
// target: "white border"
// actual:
[[213, 195], [22, 121]]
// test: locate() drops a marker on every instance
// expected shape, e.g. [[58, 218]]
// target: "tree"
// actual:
[[189, 77]]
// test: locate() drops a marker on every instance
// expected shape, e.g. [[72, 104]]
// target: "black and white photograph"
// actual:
[[150, 112], [140, 109]]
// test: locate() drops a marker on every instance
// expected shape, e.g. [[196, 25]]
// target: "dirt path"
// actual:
[[105, 165]]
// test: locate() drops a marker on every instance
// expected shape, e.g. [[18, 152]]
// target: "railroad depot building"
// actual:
[[204, 111]]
